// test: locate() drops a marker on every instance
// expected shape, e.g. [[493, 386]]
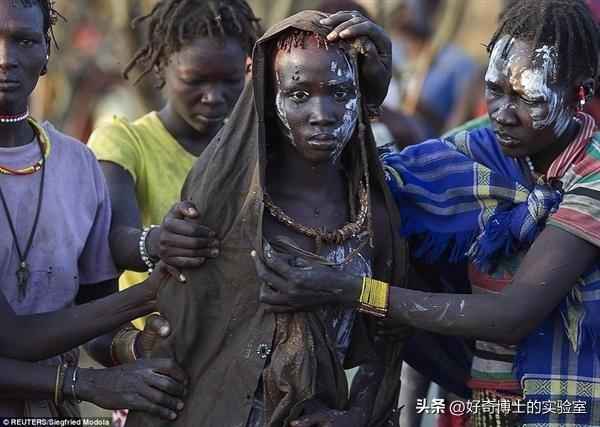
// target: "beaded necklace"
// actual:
[[44, 142], [334, 237], [14, 118], [23, 273]]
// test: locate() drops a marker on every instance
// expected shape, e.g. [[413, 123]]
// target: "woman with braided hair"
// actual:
[[518, 200], [199, 51], [54, 252]]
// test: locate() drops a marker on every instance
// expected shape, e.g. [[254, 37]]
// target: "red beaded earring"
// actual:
[[581, 99]]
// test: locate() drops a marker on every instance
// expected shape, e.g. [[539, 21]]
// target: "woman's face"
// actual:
[[528, 107], [204, 80], [315, 100], [23, 53]]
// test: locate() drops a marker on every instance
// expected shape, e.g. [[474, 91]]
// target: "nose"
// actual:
[[7, 58], [506, 115], [212, 95], [323, 113]]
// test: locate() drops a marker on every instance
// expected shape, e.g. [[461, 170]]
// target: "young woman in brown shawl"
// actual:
[[298, 142]]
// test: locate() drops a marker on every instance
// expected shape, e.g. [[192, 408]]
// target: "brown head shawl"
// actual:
[[222, 336]]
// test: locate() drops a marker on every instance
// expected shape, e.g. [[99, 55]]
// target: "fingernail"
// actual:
[[180, 405], [181, 278], [253, 253], [332, 35], [344, 33], [192, 211], [173, 415], [214, 252], [164, 330]]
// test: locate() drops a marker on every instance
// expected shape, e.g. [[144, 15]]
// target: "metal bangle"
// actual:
[[73, 381], [148, 260]]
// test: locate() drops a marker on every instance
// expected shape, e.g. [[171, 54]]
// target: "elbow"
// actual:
[[513, 331]]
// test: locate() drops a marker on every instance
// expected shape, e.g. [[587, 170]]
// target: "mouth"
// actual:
[[506, 139], [211, 118], [8, 83], [323, 141]]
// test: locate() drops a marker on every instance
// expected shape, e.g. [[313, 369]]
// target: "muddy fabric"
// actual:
[[222, 336]]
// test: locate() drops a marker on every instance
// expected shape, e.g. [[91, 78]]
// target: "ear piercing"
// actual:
[[581, 97]]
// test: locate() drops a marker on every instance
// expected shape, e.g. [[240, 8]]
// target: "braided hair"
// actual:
[[172, 23], [49, 13], [567, 25]]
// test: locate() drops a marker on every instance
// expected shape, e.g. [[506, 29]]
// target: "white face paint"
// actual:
[[281, 110], [530, 76], [301, 89], [346, 129]]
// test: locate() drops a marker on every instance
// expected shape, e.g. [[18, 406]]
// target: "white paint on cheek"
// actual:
[[279, 108], [344, 132]]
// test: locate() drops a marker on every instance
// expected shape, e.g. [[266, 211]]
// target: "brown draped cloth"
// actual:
[[222, 336]]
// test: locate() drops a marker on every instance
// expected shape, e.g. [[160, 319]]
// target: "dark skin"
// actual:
[[24, 53], [201, 92], [154, 385], [375, 65], [549, 270], [305, 175]]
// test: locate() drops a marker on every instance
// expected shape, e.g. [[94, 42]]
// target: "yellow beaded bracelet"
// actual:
[[374, 297]]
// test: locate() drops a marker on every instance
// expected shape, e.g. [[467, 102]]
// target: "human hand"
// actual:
[[181, 243], [376, 62], [156, 326], [393, 330], [329, 418], [149, 385], [303, 286]]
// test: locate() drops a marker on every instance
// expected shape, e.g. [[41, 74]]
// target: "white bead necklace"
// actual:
[[14, 118], [529, 164]]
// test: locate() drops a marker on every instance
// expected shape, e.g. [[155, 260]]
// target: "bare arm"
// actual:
[[153, 386], [179, 243], [550, 269], [126, 225], [59, 331]]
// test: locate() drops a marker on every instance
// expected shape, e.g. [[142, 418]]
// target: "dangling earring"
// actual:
[[580, 99]]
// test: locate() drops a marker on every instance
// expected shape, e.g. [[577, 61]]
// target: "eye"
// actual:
[[299, 95], [26, 42], [342, 94], [495, 90], [531, 102]]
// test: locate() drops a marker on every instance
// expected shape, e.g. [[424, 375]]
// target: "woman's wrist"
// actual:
[[152, 245], [351, 287]]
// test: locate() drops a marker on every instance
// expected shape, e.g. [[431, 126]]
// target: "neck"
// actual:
[[544, 159], [189, 138], [15, 134], [289, 172]]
